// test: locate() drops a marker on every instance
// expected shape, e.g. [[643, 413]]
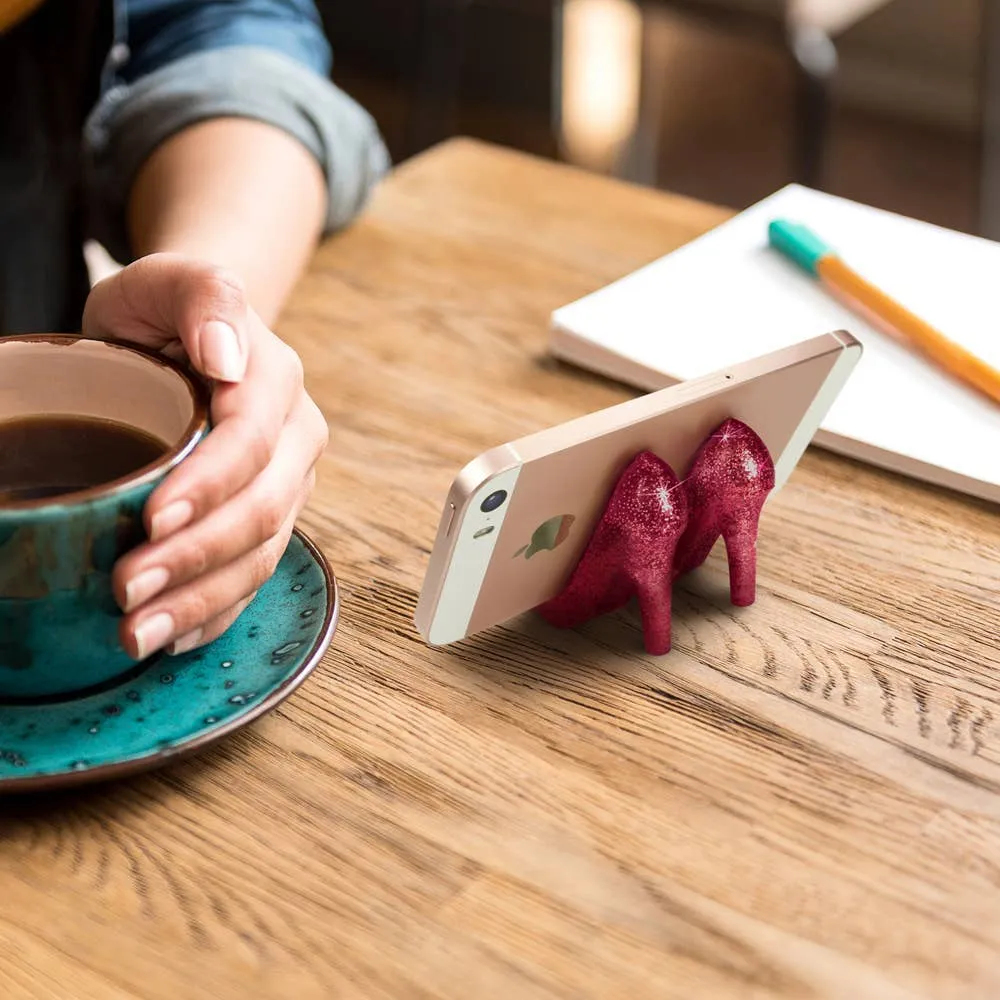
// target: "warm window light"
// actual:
[[601, 66], [831, 16]]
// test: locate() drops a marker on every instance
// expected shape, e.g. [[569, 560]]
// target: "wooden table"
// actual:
[[802, 800]]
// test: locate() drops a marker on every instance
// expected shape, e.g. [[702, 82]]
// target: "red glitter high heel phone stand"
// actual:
[[657, 527]]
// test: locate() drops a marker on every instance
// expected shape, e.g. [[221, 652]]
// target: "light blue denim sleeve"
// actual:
[[178, 62]]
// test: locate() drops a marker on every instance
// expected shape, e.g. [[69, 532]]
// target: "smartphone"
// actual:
[[518, 517]]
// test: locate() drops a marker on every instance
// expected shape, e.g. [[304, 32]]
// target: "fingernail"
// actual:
[[171, 519], [187, 642], [153, 634], [221, 355], [144, 586]]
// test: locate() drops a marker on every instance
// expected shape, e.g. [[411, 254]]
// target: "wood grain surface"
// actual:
[[802, 800]]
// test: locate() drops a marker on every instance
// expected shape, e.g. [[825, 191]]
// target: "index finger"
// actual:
[[247, 419]]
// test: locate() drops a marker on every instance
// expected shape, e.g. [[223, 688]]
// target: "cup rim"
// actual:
[[193, 433]]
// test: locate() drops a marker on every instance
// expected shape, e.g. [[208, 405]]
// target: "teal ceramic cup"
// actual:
[[58, 618]]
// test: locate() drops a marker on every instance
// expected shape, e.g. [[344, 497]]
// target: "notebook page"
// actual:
[[727, 297]]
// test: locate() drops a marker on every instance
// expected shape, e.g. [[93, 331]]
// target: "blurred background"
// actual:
[[895, 103]]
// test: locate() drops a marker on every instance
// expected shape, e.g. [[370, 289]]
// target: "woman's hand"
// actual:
[[221, 521]]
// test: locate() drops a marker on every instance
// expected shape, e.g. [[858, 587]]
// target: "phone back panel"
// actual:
[[562, 488]]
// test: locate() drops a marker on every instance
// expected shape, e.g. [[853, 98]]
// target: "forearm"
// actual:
[[239, 193]]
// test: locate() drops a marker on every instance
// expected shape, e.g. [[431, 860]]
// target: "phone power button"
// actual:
[[451, 519]]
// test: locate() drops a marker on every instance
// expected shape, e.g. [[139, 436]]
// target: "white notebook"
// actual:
[[726, 297]]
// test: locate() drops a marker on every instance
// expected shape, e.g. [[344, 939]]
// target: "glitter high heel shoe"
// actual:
[[730, 479], [631, 552]]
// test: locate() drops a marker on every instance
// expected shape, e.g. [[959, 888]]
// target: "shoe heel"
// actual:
[[655, 599], [741, 553]]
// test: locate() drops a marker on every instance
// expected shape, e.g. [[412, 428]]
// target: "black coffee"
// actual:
[[44, 457]]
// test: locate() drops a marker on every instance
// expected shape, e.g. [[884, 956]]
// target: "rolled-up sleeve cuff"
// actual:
[[130, 121]]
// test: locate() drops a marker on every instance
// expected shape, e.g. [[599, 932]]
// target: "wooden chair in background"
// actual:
[[806, 31]]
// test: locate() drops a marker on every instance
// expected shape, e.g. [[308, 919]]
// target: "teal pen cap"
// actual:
[[798, 243]]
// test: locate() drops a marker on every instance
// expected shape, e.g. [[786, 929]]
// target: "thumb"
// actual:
[[163, 299]]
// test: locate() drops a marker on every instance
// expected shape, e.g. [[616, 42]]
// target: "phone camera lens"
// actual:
[[493, 501]]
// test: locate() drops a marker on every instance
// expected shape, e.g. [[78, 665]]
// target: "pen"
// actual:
[[802, 246]]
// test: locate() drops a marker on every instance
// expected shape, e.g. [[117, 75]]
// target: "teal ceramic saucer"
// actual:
[[174, 706]]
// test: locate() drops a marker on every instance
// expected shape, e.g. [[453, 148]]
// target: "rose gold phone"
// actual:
[[518, 518]]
